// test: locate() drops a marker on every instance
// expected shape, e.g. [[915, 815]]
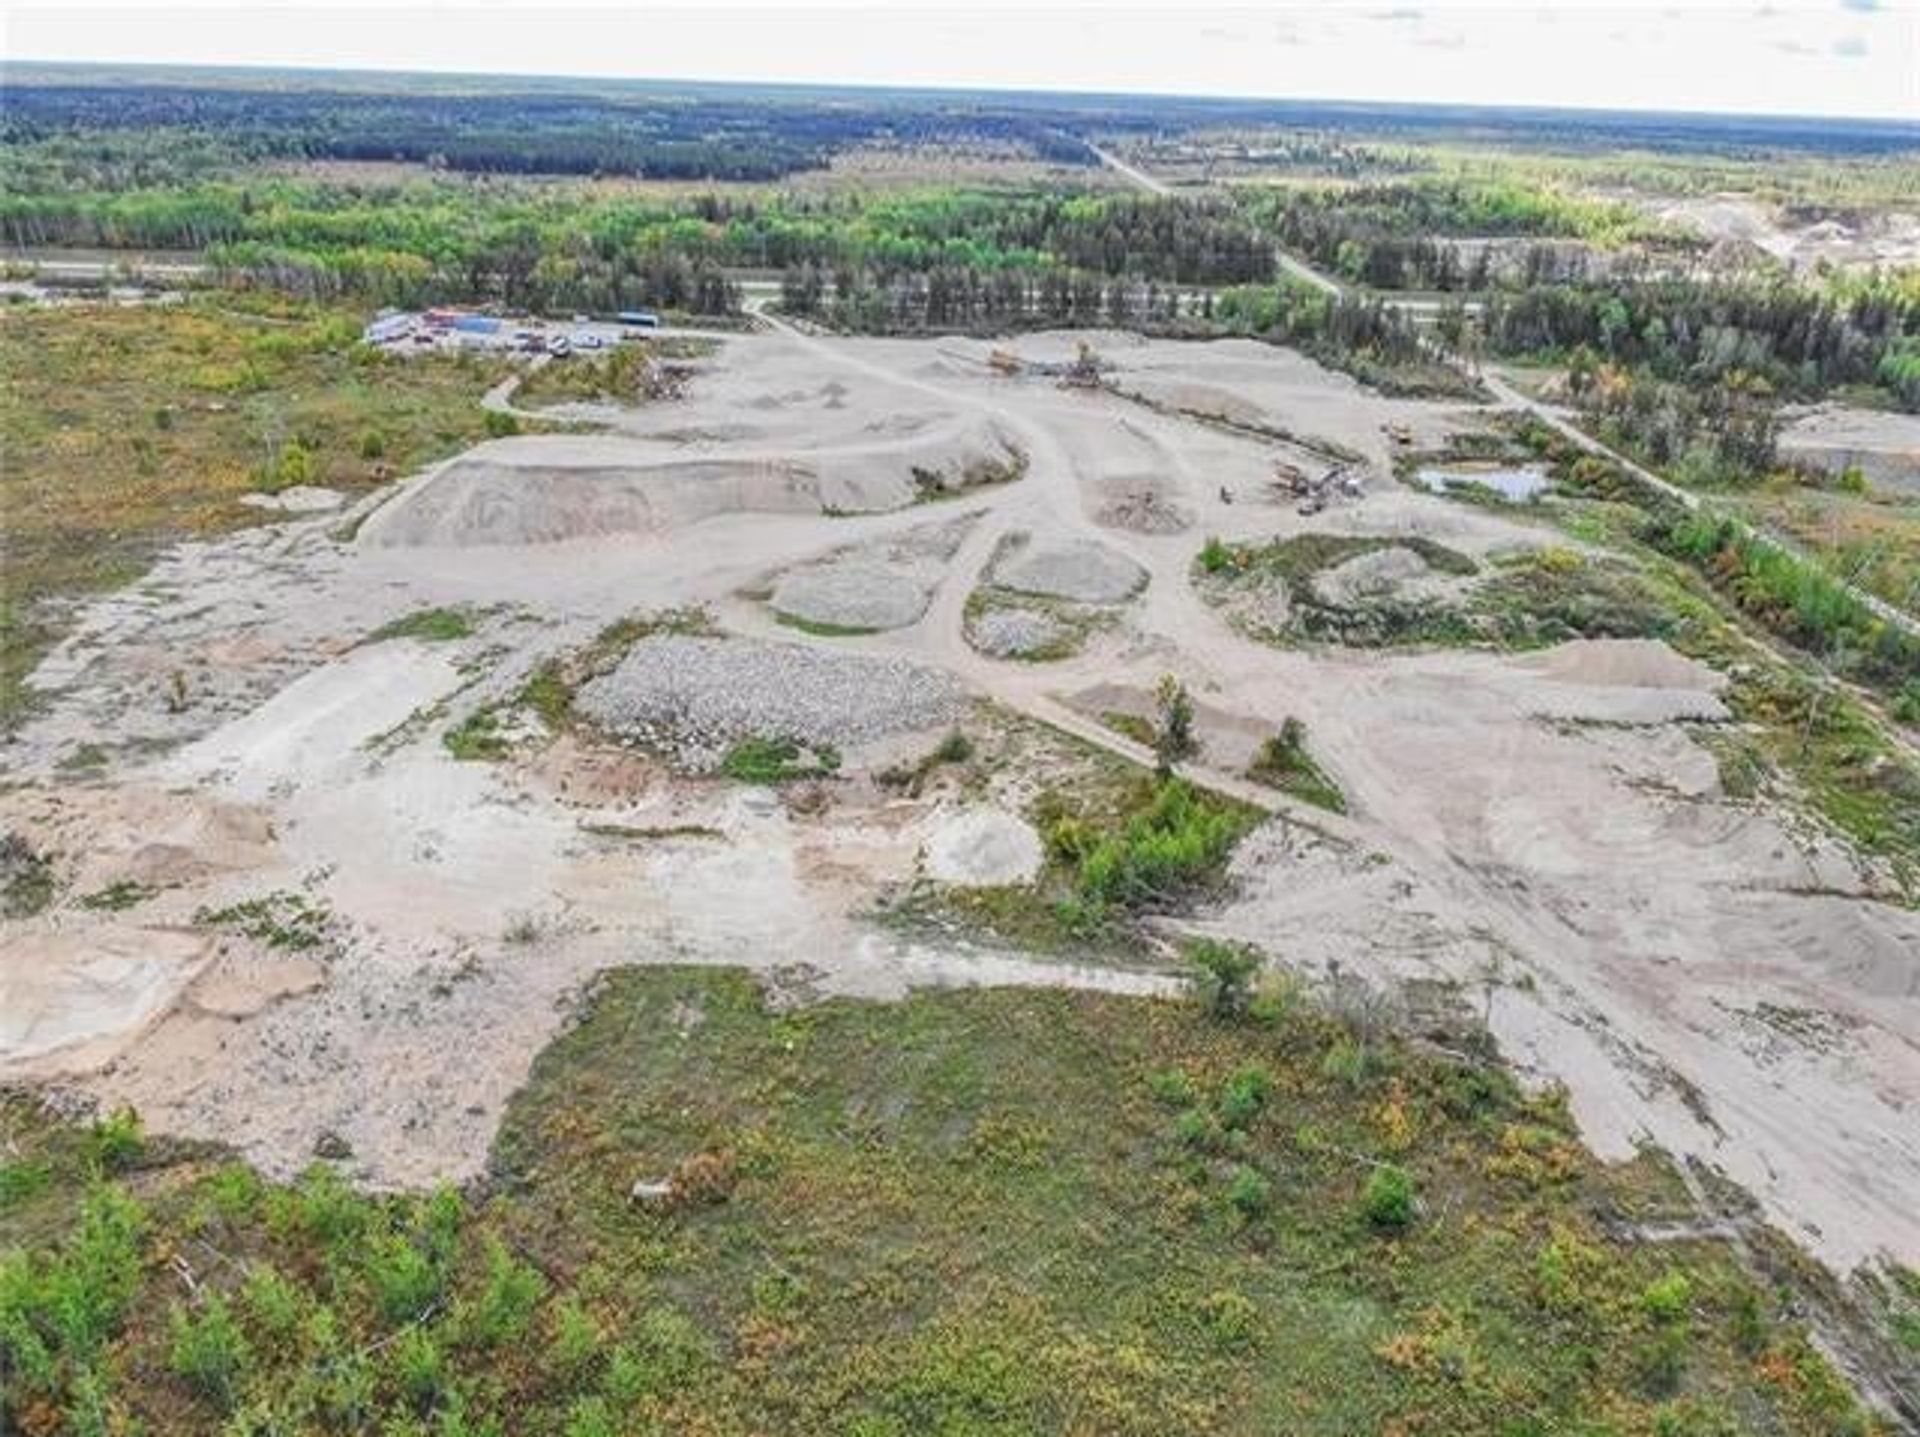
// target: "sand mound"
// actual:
[[1378, 576], [1079, 569], [543, 488], [1624, 663], [697, 697], [68, 1001], [853, 596], [983, 847]]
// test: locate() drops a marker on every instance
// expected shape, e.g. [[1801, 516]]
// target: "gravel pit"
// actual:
[[694, 698]]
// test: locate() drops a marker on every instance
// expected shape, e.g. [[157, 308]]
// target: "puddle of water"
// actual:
[[1518, 482]]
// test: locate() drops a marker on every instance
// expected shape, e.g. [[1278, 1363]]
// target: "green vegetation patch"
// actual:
[[286, 920], [433, 626], [971, 1211], [26, 877], [1522, 600], [478, 738], [777, 760], [1119, 846], [1283, 761]]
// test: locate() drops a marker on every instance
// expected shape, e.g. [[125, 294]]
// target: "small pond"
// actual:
[[1518, 482]]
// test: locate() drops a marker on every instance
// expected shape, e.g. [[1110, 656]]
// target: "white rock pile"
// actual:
[[692, 699]]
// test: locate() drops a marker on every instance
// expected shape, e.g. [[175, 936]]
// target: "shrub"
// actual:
[[506, 1300], [373, 445], [1249, 1193], [1667, 1298], [209, 1352], [1244, 1096], [1347, 1063], [1215, 556], [1230, 1320], [500, 425], [1171, 1086], [21, 1179], [406, 1282], [1387, 1200], [591, 1417], [419, 1368], [323, 1208], [576, 1340], [293, 465], [272, 1305], [956, 747], [1223, 975], [1171, 846]]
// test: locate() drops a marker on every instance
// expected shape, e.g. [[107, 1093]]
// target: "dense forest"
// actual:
[[434, 240], [1421, 234], [148, 165], [537, 133], [1795, 339]]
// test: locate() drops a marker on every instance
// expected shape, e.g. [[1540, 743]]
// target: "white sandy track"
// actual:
[[1534, 826]]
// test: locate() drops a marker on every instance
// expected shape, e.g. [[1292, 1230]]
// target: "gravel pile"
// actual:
[[853, 596], [694, 698], [1079, 569], [1014, 633]]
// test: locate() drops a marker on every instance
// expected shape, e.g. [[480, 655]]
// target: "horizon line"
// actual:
[[1516, 108]]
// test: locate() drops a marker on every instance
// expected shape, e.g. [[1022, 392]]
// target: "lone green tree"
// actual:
[[1173, 740]]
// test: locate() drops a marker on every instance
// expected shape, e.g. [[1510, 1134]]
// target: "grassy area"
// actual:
[[1523, 600], [128, 426], [1119, 844], [433, 626], [967, 1213], [776, 760], [1872, 538]]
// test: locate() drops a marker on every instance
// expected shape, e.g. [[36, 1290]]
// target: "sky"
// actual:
[[1807, 57]]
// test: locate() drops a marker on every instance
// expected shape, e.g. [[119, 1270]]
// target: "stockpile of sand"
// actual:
[[695, 698], [983, 847], [1624, 663], [543, 488], [1077, 569]]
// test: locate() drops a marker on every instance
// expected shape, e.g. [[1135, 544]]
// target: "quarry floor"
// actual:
[[1540, 832]]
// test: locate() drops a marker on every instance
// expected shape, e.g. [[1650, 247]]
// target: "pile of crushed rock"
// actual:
[[692, 699]]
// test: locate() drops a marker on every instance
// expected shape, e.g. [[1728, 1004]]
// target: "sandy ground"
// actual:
[[1885, 446], [1860, 241], [1544, 833]]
